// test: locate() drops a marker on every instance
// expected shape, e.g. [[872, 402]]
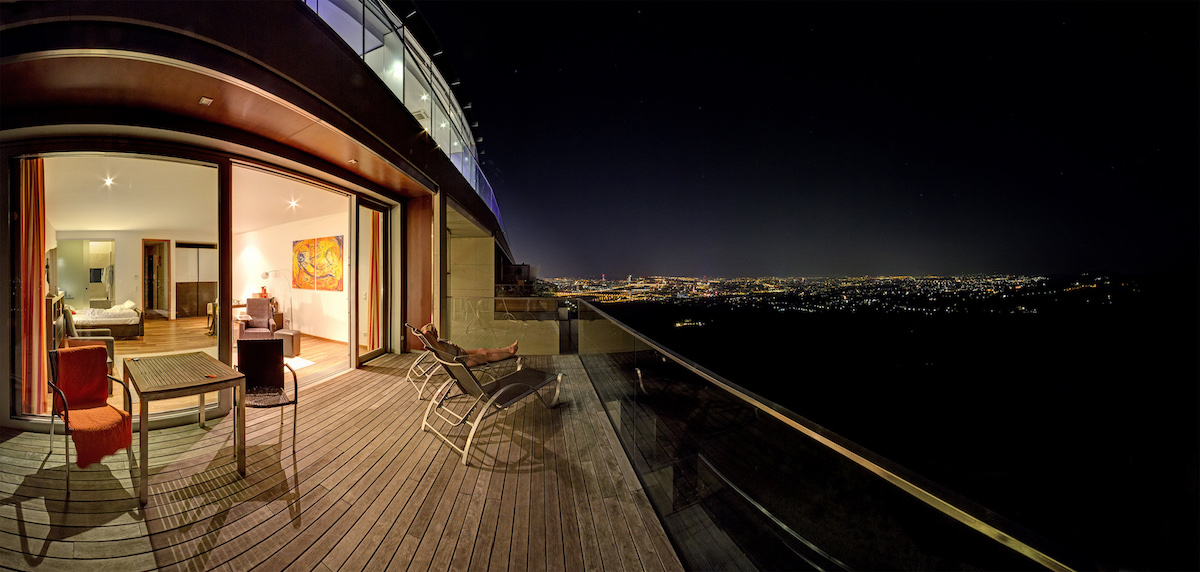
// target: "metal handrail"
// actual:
[[933, 495]]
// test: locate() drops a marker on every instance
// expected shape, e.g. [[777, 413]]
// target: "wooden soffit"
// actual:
[[172, 94]]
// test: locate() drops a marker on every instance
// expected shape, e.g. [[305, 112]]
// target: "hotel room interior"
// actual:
[[126, 230]]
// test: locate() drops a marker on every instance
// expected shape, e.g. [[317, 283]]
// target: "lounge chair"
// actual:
[[424, 368], [422, 371], [482, 399]]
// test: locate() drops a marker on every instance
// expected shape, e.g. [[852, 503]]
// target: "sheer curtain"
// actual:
[[33, 290]]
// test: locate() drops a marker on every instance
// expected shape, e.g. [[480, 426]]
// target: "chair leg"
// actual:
[[471, 435], [67, 457], [557, 391]]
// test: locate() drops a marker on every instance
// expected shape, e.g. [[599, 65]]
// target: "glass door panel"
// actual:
[[370, 283]]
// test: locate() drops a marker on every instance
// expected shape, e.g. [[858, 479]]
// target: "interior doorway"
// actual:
[[156, 274]]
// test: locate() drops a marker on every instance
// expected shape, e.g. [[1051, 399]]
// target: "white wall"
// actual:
[[315, 312], [127, 283]]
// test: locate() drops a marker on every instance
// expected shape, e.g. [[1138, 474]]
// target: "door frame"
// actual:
[[384, 277], [166, 268]]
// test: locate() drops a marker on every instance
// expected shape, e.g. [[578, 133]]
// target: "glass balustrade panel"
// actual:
[[738, 486]]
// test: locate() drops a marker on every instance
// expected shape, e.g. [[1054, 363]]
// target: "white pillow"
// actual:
[[129, 304]]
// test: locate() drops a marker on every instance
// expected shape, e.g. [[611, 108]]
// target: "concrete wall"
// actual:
[[472, 315], [472, 267]]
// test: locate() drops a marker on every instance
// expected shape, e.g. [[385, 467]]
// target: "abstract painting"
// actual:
[[317, 263], [302, 271], [327, 263]]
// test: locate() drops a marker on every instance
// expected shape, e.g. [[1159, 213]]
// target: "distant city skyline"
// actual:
[[836, 138]]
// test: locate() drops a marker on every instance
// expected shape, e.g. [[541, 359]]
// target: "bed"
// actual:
[[124, 321]]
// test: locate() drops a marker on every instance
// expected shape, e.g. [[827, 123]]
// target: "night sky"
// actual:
[[835, 139]]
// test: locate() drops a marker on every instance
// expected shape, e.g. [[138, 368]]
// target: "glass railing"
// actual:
[[742, 483], [539, 324], [379, 37]]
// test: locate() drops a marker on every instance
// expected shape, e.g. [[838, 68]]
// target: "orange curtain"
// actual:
[[373, 309], [33, 295]]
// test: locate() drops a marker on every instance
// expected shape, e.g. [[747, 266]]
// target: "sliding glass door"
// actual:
[[371, 282]]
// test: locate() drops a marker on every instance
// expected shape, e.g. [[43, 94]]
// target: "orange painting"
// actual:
[[302, 269], [327, 263]]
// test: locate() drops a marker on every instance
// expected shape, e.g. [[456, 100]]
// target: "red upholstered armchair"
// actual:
[[80, 383]]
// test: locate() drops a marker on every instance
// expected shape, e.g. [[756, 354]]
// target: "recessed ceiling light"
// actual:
[[292, 203], [353, 161], [206, 101], [108, 181]]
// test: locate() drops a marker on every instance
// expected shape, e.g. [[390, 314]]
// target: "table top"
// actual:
[[189, 373]]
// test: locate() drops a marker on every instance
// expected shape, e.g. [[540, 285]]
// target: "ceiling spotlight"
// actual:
[[206, 101], [108, 181], [292, 203], [353, 161], [424, 97]]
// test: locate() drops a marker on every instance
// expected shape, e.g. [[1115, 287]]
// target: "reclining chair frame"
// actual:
[[422, 371], [487, 398]]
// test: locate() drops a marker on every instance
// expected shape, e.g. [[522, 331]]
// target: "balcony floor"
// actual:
[[362, 488]]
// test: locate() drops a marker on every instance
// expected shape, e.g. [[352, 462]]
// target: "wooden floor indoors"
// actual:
[[360, 488], [191, 334]]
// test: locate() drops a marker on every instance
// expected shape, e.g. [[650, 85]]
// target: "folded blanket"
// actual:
[[97, 428], [98, 432]]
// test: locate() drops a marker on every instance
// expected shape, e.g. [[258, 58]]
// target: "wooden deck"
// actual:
[[362, 488]]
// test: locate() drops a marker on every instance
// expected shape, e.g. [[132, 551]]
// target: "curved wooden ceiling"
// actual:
[[142, 84]]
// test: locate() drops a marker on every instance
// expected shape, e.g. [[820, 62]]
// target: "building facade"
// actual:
[[173, 156]]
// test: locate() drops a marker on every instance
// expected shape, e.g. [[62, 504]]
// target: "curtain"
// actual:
[[32, 285], [375, 332]]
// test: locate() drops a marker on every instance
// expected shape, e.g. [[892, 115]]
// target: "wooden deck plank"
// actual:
[[568, 523], [405, 512], [502, 543], [473, 530], [482, 553], [538, 517], [361, 487], [369, 528], [588, 536], [518, 554]]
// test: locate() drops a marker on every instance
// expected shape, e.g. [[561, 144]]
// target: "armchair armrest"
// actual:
[[106, 341], [92, 332], [128, 397]]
